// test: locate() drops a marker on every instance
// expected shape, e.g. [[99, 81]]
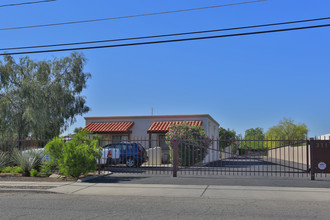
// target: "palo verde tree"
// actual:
[[41, 98], [287, 133]]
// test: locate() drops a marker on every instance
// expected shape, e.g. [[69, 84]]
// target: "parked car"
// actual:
[[131, 154]]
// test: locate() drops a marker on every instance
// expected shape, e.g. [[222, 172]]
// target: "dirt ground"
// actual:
[[19, 177]]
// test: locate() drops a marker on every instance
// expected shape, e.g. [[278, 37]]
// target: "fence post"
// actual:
[[99, 160], [175, 158], [312, 145], [307, 154]]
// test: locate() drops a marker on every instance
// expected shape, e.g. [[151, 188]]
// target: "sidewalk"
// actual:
[[196, 191], [169, 190]]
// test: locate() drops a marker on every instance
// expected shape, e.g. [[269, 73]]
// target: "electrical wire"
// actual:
[[166, 35], [168, 41], [128, 16], [26, 3]]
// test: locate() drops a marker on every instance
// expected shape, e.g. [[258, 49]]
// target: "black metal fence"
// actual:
[[280, 157], [8, 144], [273, 157]]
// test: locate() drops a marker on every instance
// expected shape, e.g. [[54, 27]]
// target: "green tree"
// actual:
[[227, 137], [253, 139], [77, 130], [41, 98], [287, 130]]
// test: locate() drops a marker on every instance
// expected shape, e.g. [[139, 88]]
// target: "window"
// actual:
[[162, 142], [119, 138]]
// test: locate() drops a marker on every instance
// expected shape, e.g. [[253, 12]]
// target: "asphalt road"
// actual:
[[59, 206]]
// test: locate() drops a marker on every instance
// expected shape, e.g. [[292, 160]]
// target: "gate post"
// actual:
[[175, 158], [312, 145], [99, 160]]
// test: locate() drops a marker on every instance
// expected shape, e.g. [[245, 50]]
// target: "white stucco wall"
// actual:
[[324, 137]]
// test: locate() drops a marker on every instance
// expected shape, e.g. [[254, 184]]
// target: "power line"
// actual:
[[168, 41], [166, 35], [128, 16], [27, 3]]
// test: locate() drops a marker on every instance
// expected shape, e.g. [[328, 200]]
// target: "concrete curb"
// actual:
[[85, 179], [10, 190]]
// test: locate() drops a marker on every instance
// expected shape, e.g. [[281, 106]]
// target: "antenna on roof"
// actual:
[[152, 111]]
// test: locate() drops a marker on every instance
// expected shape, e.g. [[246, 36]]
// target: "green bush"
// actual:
[[192, 142], [13, 170], [75, 157], [47, 168], [54, 149], [27, 160], [34, 172], [6, 170]]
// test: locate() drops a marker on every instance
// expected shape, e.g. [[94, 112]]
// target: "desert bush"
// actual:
[[75, 157], [13, 170], [27, 160], [16, 169], [34, 172], [47, 168], [6, 170], [4, 159]]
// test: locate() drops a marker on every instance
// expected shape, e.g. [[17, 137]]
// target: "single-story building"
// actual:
[[324, 137], [150, 131]]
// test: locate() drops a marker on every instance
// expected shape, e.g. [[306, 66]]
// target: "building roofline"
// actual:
[[151, 116]]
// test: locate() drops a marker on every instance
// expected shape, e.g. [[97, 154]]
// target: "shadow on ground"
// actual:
[[239, 163], [116, 179]]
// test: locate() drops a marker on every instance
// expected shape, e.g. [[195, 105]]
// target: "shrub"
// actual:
[[75, 157], [47, 168], [15, 170], [27, 160], [6, 170], [34, 172], [192, 142], [54, 149], [4, 159]]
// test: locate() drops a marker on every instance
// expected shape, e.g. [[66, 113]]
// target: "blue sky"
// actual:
[[243, 82]]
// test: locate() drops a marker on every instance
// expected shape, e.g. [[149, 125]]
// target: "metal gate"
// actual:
[[273, 157]]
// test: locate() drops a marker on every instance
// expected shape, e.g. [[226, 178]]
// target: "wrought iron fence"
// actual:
[[8, 144], [275, 157], [272, 157]]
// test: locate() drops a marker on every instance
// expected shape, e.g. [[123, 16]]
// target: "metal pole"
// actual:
[[175, 158], [312, 145], [307, 155], [99, 165]]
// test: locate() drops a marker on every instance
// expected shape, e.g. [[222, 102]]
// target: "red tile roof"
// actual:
[[109, 127], [164, 126]]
